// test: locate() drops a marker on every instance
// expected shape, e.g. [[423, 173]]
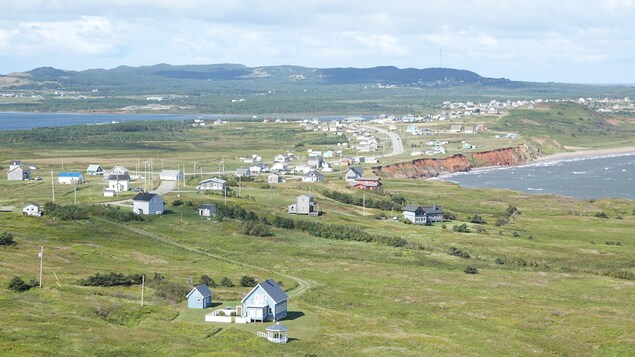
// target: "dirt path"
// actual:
[[303, 285]]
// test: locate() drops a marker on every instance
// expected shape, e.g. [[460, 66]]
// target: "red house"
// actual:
[[368, 183]]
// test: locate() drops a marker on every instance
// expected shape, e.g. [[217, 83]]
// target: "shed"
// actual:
[[199, 298], [70, 178], [31, 209], [171, 175], [207, 210]]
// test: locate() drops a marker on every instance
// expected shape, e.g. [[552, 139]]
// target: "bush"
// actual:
[[499, 260], [501, 222], [470, 269], [601, 215], [449, 216], [461, 228], [253, 228], [248, 281], [477, 219], [226, 282], [515, 234], [6, 238], [177, 202], [170, 291], [481, 230], [112, 279], [457, 252], [511, 211], [206, 280], [17, 284]]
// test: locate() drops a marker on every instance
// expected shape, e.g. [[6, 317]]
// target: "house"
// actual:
[[70, 178], [423, 214], [95, 169], [455, 128], [258, 168], [328, 153], [147, 203], [367, 183], [279, 166], [32, 210], [207, 210], [305, 204], [282, 158], [353, 173], [312, 176], [119, 183], [265, 302], [468, 129], [315, 161], [18, 172], [214, 184], [200, 297], [434, 213], [117, 170], [240, 172], [171, 175], [275, 178]]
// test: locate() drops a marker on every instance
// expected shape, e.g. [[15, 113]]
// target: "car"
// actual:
[[136, 189]]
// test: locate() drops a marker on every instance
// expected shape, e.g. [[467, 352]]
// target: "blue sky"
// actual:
[[581, 41]]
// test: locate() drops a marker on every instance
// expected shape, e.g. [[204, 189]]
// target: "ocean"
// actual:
[[586, 178]]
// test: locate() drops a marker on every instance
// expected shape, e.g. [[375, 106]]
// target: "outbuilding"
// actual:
[[200, 297]]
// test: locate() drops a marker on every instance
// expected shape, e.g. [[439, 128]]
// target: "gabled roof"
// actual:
[[93, 167], [70, 174], [313, 173], [272, 289], [411, 208], [202, 289], [432, 209], [170, 172], [215, 179], [207, 206], [144, 196], [124, 177], [357, 170]]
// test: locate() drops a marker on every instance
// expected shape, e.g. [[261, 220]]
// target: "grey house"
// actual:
[[147, 203], [423, 214], [213, 184], [207, 210], [353, 173], [305, 204], [18, 172]]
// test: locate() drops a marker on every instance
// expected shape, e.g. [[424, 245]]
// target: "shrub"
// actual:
[[511, 211], [17, 284], [248, 281], [112, 279], [515, 234], [6, 238], [170, 291], [501, 222], [457, 252], [477, 219], [226, 282], [177, 202], [449, 216], [470, 269], [601, 215], [461, 228], [481, 230], [253, 228], [499, 260], [206, 280]]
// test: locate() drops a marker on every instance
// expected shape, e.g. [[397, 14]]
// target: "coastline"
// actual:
[[586, 154]]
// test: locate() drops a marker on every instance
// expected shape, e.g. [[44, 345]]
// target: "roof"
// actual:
[[242, 170], [368, 184], [207, 206], [93, 167], [358, 170], [313, 173], [70, 174], [372, 179], [278, 327], [411, 208], [124, 177], [144, 196], [170, 172], [272, 289], [432, 209], [202, 289], [215, 179]]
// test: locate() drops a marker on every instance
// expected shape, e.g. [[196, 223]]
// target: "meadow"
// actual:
[[557, 278]]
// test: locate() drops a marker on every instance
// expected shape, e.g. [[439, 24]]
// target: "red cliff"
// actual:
[[425, 168]]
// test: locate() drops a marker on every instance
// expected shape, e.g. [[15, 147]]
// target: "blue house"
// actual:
[[265, 302], [199, 298]]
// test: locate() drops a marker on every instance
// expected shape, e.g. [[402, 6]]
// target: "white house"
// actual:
[[282, 158], [147, 203], [312, 176], [274, 178], [119, 183], [305, 204], [31, 210], [70, 178], [279, 166], [207, 210], [353, 173], [214, 184], [94, 170], [117, 170], [18, 172], [171, 175]]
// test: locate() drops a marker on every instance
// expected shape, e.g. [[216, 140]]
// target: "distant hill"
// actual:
[[124, 75]]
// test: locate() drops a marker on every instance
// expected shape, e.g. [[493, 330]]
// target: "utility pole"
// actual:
[[75, 195], [53, 186], [41, 258]]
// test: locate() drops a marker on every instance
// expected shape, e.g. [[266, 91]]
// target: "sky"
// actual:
[[583, 41]]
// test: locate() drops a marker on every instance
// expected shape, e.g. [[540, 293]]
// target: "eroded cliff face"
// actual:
[[426, 168]]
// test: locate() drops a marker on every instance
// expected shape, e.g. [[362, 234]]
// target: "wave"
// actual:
[[535, 189], [579, 172]]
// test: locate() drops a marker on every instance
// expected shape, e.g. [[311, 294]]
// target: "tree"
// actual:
[[206, 280], [6, 238], [248, 281], [226, 282], [17, 284]]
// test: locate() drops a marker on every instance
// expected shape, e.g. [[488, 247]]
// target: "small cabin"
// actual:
[[200, 297]]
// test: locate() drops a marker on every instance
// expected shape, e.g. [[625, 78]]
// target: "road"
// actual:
[[397, 144], [165, 187]]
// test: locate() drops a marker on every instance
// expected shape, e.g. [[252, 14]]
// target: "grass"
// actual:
[[564, 291]]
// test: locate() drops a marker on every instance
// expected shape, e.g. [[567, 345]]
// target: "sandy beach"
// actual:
[[587, 154]]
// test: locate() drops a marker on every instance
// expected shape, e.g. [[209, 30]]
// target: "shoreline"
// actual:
[[585, 154]]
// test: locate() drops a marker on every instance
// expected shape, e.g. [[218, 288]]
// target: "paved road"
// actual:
[[165, 187], [397, 144]]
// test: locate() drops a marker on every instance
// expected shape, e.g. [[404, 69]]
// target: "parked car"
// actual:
[[136, 189]]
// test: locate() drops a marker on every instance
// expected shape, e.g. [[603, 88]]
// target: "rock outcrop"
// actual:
[[426, 168]]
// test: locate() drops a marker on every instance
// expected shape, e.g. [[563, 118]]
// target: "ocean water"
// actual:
[[586, 178]]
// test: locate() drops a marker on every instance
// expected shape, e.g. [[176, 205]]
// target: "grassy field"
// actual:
[[552, 281]]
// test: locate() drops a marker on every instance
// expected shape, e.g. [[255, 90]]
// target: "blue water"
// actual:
[[599, 177]]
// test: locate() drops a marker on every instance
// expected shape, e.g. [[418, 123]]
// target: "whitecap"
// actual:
[[534, 189], [579, 172]]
